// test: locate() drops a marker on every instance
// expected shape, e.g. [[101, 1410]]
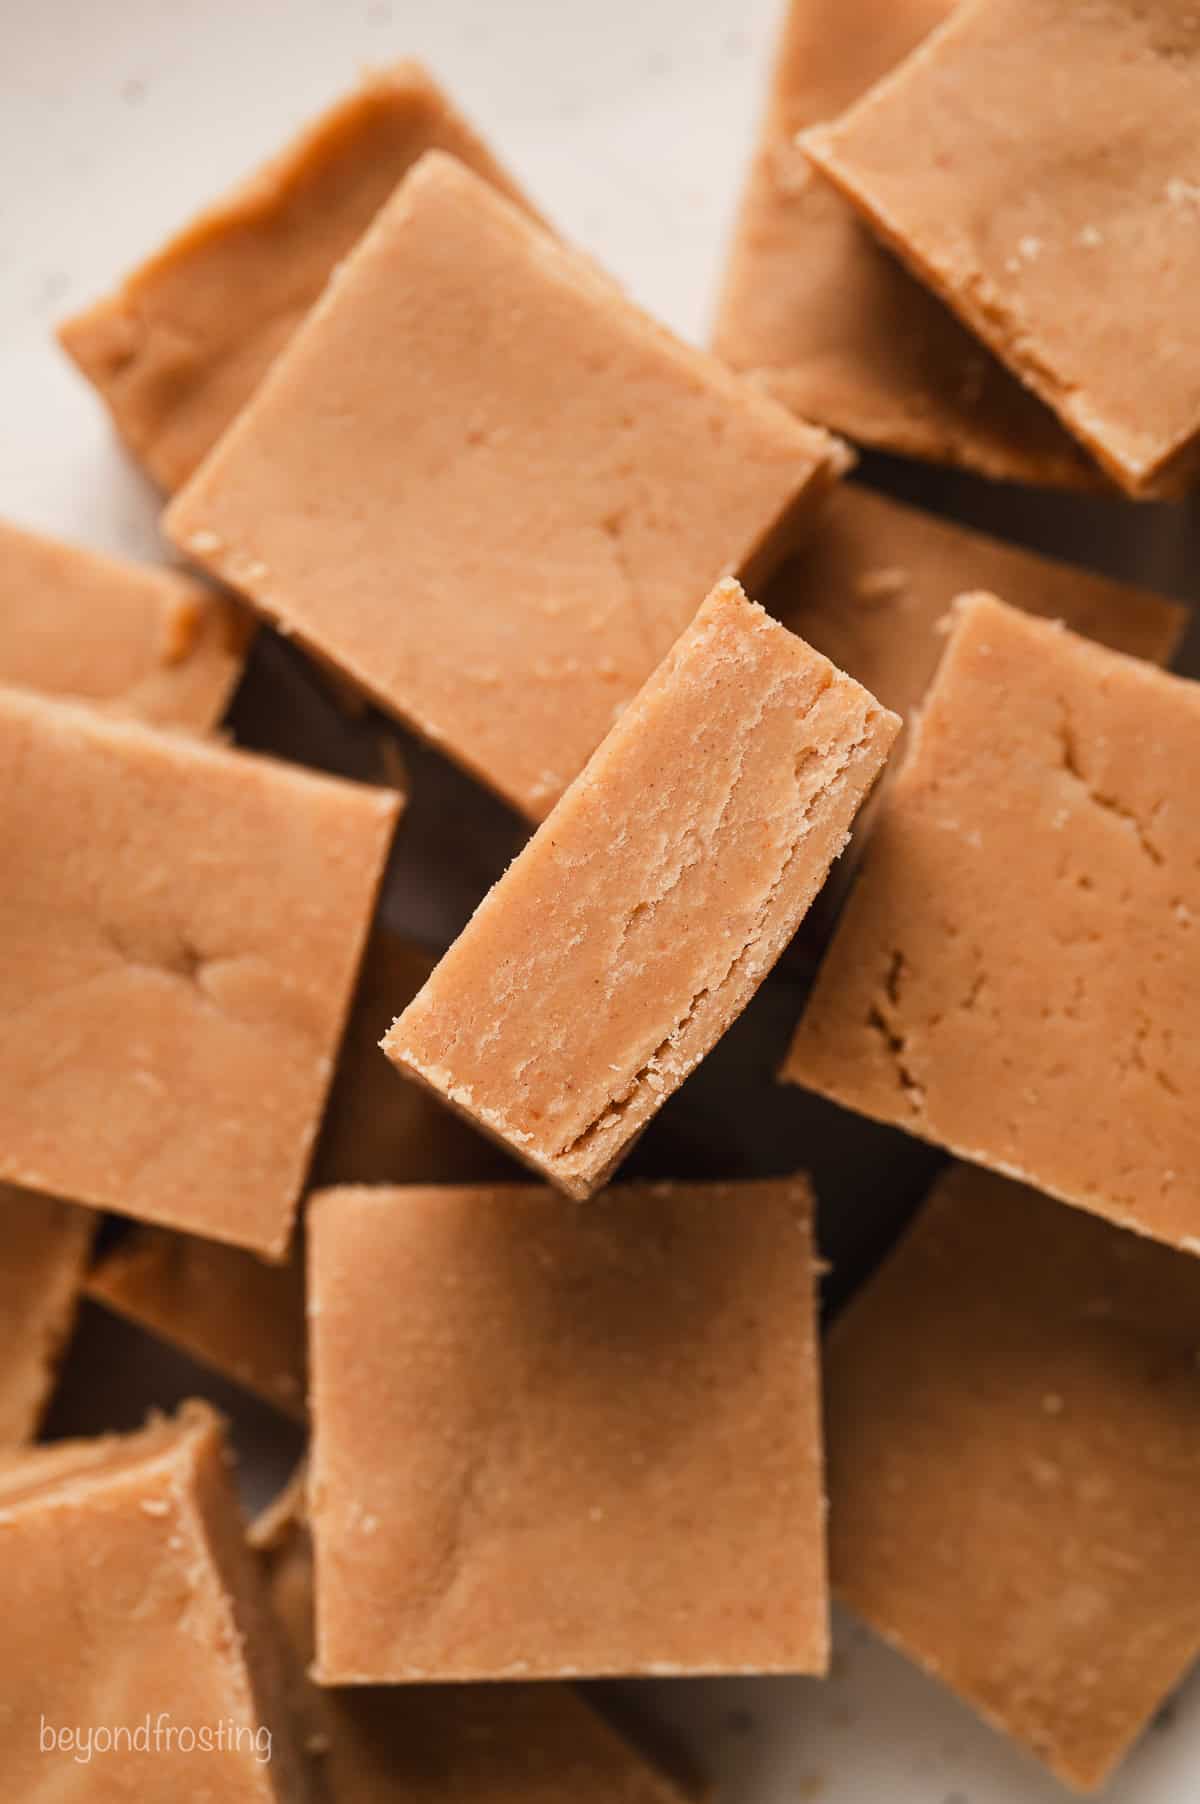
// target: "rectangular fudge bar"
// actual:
[[625, 1394], [1035, 163], [131, 1602], [449, 1744], [177, 351], [1015, 975], [143, 641], [229, 1309], [46, 1245], [180, 931], [874, 587], [1011, 1405], [826, 320], [641, 918], [467, 375]]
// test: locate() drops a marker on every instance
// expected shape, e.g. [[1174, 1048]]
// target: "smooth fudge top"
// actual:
[[144, 641], [1015, 975], [595, 1406], [643, 915], [127, 1589], [1063, 231], [177, 351], [490, 489], [46, 1248], [449, 1744], [832, 324], [1011, 1406], [182, 927], [874, 586]]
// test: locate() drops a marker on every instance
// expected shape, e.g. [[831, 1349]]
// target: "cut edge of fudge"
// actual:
[[587, 1163], [76, 1227]]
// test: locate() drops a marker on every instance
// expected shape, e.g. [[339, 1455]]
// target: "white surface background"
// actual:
[[631, 123]]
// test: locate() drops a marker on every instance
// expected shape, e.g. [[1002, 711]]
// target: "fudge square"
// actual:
[[186, 339], [1015, 976], [874, 587], [448, 1744], [829, 322], [1012, 1406], [489, 489], [134, 1614], [46, 1250], [144, 641], [643, 915], [180, 930], [554, 1442], [1035, 163]]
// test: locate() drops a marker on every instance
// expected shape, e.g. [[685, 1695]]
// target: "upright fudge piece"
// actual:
[[873, 590], [624, 1394], [154, 643], [182, 345], [451, 1744], [228, 1308], [180, 930], [641, 918], [1035, 163], [46, 1247], [830, 323], [467, 375], [132, 1605], [1012, 1407], [1015, 975]]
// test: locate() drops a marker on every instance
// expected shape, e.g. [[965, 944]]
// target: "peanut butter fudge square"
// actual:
[[830, 323], [46, 1248], [141, 1658], [641, 918], [228, 1308], [186, 339], [180, 930], [154, 643], [554, 1442], [874, 586], [1015, 975], [1012, 1407], [1035, 163], [450, 1744], [491, 490]]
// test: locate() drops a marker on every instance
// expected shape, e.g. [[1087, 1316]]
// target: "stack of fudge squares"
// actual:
[[562, 1425]]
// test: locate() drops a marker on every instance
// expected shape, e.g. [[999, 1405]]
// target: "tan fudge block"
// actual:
[[154, 643], [507, 1391], [221, 1305], [180, 930], [229, 1309], [1035, 163], [476, 429], [132, 1604], [1015, 975], [177, 351], [452, 1744], [830, 323], [46, 1248], [641, 918], [1012, 1406], [874, 587]]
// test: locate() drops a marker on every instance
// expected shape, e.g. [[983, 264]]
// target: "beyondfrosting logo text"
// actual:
[[155, 1735]]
